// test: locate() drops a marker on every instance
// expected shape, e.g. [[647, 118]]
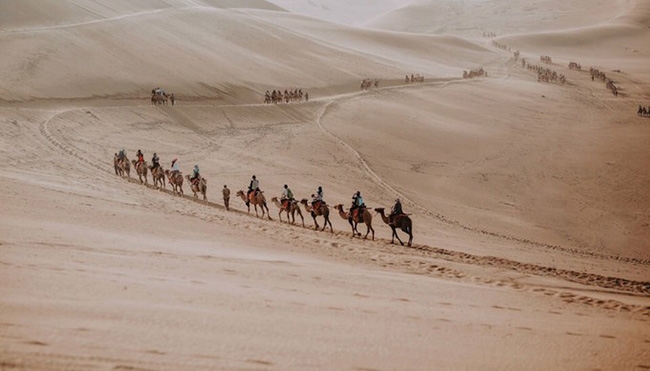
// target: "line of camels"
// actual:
[[289, 96], [403, 222]]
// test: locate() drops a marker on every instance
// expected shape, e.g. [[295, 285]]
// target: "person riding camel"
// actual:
[[287, 195], [121, 155], [196, 176], [318, 197], [175, 168], [395, 211], [357, 203], [254, 186], [155, 161], [140, 157]]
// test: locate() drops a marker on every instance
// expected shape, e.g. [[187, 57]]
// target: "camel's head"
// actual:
[[339, 207], [379, 210], [303, 201], [240, 193], [274, 199]]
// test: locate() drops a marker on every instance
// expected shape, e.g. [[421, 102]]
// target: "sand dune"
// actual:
[[528, 199]]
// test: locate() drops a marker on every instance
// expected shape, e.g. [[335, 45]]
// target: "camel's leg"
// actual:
[[280, 215], [315, 222], [353, 228], [397, 236], [268, 213], [301, 218]]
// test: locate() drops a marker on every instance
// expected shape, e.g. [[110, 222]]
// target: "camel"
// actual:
[[255, 198], [292, 207], [175, 179], [158, 176], [141, 169], [402, 222], [199, 186], [158, 99], [365, 217], [320, 210], [122, 166]]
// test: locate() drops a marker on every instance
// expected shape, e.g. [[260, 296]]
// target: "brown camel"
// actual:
[[158, 99], [122, 166], [255, 198], [364, 217], [290, 207], [175, 179], [158, 175], [141, 169], [402, 222], [320, 210], [198, 186]]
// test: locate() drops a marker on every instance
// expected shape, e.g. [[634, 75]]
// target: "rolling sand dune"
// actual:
[[528, 200]]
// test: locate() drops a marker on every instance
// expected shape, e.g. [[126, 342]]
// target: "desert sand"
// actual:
[[529, 200]]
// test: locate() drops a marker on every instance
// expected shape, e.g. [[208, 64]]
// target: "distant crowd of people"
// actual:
[[489, 34], [645, 112], [546, 59]]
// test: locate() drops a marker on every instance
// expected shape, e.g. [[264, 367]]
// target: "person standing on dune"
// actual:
[[226, 197]]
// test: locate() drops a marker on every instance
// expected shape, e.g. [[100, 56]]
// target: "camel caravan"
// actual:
[[643, 112], [546, 59], [367, 84], [158, 96], [595, 74], [544, 74], [414, 79], [477, 72], [500, 45], [609, 83], [358, 213], [289, 96]]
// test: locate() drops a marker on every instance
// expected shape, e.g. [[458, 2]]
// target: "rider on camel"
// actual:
[[196, 176], [175, 168], [395, 211], [140, 158], [155, 161], [254, 186], [357, 203], [121, 155], [318, 197], [287, 195]]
